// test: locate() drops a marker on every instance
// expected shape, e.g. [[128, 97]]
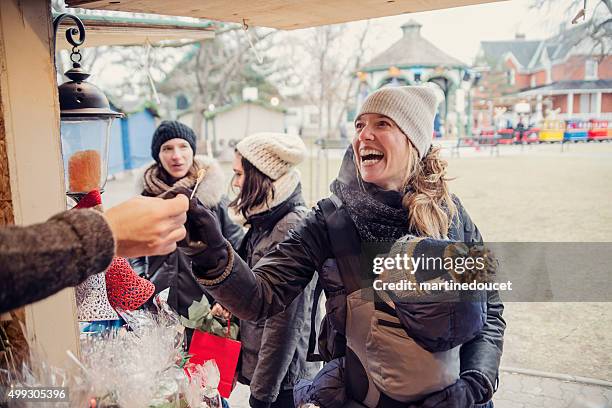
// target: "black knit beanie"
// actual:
[[171, 129]]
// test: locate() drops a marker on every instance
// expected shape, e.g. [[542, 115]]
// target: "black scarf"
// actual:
[[378, 214], [266, 221]]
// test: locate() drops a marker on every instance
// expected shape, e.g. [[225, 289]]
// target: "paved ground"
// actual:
[[533, 194], [518, 391], [526, 391]]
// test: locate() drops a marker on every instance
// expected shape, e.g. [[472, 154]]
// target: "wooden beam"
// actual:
[[109, 32], [6, 200], [10, 323], [30, 117], [281, 14]]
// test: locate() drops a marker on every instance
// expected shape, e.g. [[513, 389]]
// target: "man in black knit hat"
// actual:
[[168, 130]]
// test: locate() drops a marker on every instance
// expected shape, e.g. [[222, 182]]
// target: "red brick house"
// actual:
[[562, 76]]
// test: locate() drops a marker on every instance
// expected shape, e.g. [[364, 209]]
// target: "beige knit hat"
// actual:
[[412, 108], [274, 154]]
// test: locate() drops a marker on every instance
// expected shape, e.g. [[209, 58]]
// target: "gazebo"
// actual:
[[412, 60]]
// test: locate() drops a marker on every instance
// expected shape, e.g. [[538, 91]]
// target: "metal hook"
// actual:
[[70, 33], [581, 14], [245, 27], [74, 54]]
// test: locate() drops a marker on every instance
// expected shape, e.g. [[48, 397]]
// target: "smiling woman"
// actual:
[[381, 149], [391, 187], [392, 149]]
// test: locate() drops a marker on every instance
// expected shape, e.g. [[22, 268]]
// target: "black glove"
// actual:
[[467, 391], [204, 242], [255, 403]]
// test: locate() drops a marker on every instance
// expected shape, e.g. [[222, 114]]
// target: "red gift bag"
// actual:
[[225, 351]]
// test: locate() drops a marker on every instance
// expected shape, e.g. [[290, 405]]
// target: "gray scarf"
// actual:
[[378, 214]]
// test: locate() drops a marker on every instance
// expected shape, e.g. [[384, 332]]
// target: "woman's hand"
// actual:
[[203, 226], [467, 391], [219, 311], [205, 243]]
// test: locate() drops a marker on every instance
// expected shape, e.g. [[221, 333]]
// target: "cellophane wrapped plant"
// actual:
[[142, 365]]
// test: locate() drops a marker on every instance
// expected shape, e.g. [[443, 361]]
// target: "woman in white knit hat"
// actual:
[[270, 203], [380, 351]]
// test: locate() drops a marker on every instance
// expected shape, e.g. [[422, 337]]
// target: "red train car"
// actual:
[[599, 130]]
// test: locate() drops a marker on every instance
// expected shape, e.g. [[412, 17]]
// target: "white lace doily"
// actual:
[[92, 301]]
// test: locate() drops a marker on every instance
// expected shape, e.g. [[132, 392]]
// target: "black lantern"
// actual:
[[86, 119]]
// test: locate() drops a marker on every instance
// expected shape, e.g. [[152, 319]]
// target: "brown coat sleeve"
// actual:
[[41, 259]]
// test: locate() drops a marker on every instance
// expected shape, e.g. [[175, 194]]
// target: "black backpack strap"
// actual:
[[338, 225], [312, 339], [328, 207], [344, 241]]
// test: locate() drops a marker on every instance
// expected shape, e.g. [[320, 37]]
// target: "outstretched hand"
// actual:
[[465, 392], [204, 242], [147, 225], [203, 229]]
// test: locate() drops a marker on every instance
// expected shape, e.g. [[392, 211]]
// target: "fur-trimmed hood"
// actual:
[[210, 189]]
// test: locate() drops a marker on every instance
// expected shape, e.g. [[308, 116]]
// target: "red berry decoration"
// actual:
[[125, 289], [90, 200]]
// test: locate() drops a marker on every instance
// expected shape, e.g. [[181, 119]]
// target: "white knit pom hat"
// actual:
[[412, 108], [274, 154]]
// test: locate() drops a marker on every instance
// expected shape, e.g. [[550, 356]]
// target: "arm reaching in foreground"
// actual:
[[277, 279], [148, 226], [38, 260]]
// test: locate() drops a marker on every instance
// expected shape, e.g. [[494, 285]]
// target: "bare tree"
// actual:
[[356, 62], [599, 24], [331, 85], [215, 71]]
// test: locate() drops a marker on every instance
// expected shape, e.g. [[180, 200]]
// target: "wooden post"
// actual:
[[30, 154], [6, 201]]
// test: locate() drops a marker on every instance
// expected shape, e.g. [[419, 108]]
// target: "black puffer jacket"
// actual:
[[281, 275], [274, 350]]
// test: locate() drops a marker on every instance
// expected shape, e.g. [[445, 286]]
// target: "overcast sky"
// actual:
[[458, 31]]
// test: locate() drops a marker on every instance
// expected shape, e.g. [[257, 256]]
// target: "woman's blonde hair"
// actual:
[[427, 198], [428, 201]]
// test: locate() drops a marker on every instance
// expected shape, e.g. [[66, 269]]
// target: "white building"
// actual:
[[224, 127]]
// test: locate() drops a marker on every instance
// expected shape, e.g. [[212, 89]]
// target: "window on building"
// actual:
[[511, 74], [590, 69], [533, 81], [596, 103], [182, 102], [585, 103]]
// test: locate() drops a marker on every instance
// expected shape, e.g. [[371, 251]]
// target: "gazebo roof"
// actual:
[[412, 50]]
